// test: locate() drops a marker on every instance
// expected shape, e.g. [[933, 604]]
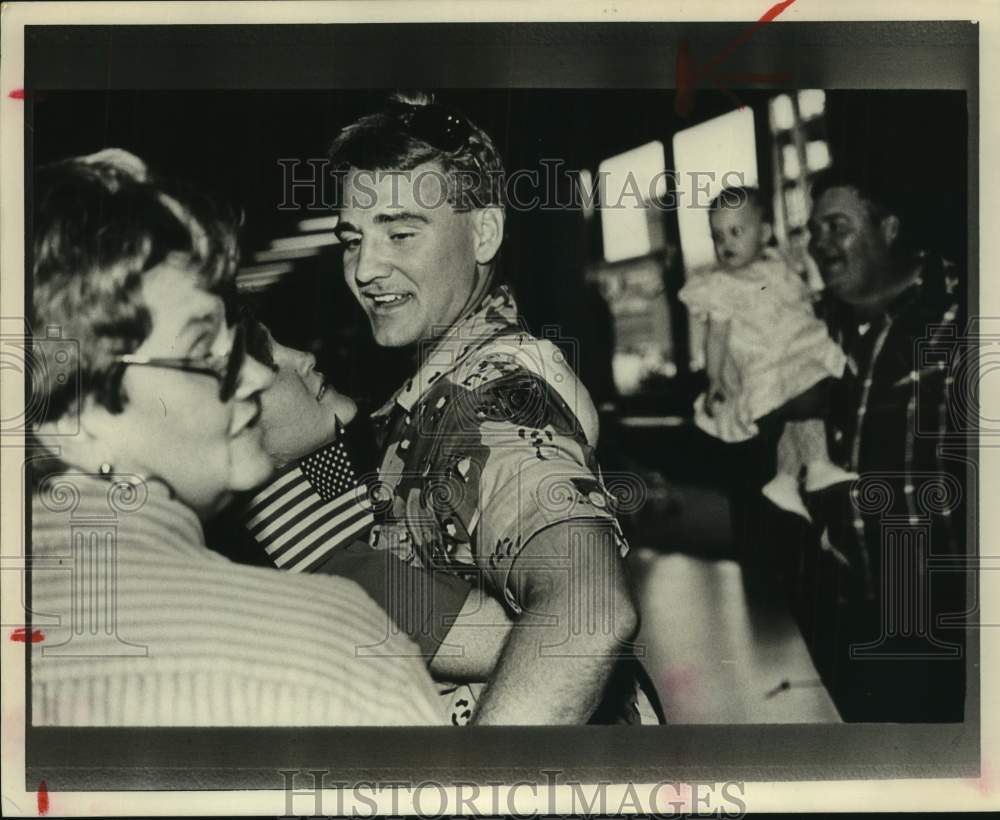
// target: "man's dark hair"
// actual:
[[413, 130], [99, 223], [883, 196], [880, 198]]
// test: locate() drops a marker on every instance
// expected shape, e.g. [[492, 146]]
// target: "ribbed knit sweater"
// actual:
[[155, 629]]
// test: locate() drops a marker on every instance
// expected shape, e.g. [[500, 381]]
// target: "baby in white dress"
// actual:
[[764, 346]]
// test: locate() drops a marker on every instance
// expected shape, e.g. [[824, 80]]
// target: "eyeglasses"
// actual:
[[224, 368], [435, 124]]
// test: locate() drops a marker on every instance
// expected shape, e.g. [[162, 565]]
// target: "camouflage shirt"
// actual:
[[489, 443]]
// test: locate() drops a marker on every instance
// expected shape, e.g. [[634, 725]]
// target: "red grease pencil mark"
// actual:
[[687, 76], [20, 635], [985, 782], [17, 94], [688, 73], [43, 798], [774, 11]]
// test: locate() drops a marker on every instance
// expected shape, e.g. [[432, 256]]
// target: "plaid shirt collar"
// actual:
[[495, 315]]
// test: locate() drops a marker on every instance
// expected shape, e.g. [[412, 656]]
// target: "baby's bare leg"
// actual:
[[783, 489], [821, 472], [790, 460], [809, 438]]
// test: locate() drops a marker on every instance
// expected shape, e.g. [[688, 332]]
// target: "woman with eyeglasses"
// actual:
[[146, 425]]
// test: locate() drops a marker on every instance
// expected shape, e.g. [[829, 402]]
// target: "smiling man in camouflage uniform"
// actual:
[[488, 467]]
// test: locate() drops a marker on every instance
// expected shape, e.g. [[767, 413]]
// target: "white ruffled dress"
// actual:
[[776, 342]]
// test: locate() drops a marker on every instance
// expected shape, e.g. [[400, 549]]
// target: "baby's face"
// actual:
[[739, 235]]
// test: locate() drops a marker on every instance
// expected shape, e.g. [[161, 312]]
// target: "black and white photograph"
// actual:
[[502, 412]]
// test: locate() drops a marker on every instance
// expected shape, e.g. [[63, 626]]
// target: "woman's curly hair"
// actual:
[[98, 224]]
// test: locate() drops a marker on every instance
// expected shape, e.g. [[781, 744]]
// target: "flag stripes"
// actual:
[[310, 509]]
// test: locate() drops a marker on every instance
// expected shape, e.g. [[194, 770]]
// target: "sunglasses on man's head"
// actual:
[[226, 368], [437, 125]]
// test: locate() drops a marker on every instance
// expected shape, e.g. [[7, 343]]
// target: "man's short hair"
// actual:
[[883, 196], [737, 196], [413, 130], [876, 194]]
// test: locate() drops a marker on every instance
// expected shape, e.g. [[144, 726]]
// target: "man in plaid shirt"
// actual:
[[886, 609]]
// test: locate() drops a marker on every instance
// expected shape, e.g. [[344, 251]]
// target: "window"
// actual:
[[629, 182], [716, 154], [799, 150]]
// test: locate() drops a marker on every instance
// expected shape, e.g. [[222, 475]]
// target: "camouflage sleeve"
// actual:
[[527, 467]]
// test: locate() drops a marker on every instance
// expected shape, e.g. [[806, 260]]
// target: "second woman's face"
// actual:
[[299, 411], [174, 426]]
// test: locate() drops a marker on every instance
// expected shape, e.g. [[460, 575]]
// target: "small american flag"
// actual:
[[310, 508]]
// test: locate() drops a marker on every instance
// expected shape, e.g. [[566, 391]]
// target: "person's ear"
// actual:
[[487, 227], [100, 432], [768, 233], [889, 228], [83, 436]]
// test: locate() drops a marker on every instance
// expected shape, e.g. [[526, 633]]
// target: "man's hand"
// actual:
[[578, 614]]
